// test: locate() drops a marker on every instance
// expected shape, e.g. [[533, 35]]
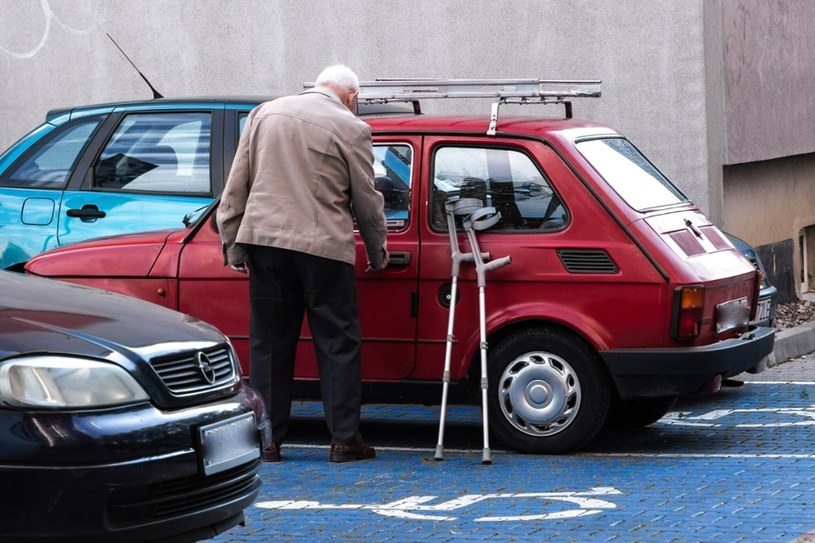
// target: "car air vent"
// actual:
[[196, 371], [687, 242], [587, 261], [716, 238]]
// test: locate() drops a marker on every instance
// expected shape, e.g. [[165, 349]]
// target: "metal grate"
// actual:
[[587, 261], [716, 238], [179, 497], [687, 242], [196, 371]]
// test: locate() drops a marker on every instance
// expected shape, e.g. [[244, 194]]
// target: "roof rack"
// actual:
[[505, 91]]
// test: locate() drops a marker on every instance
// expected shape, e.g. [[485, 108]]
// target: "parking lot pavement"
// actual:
[[738, 466]]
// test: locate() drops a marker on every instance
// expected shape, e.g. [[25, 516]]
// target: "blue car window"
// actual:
[[50, 166], [157, 152], [392, 170], [242, 122]]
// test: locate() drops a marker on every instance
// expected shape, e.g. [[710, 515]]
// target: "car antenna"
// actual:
[[156, 94]]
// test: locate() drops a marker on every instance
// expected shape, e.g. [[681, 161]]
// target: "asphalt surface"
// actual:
[[737, 466]]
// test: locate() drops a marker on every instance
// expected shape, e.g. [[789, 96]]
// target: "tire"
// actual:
[[549, 392], [638, 413]]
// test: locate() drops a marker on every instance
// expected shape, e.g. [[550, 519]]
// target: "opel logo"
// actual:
[[205, 367]]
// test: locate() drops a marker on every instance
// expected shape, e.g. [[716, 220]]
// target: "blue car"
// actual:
[[108, 169], [100, 170]]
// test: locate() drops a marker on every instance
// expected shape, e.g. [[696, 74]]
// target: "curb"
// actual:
[[792, 343]]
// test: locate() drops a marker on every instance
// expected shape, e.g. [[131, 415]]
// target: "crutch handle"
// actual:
[[498, 263], [469, 257]]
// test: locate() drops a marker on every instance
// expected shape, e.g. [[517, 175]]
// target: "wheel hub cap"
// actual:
[[539, 393]]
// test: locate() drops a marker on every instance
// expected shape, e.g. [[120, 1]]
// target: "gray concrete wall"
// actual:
[[770, 203], [769, 75], [650, 55], [768, 142]]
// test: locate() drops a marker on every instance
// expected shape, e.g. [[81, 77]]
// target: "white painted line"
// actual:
[[464, 452], [726, 456], [803, 383], [400, 449]]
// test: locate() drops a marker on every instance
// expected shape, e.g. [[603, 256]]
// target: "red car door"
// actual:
[[387, 299]]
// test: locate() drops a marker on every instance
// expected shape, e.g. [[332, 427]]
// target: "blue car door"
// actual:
[[155, 168], [31, 187]]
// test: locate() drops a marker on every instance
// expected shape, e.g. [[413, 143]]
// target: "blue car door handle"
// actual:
[[88, 213]]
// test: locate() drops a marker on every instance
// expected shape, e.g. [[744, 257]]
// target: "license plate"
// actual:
[[229, 443], [732, 315], [763, 310]]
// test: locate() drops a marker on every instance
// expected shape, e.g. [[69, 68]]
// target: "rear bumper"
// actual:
[[654, 373]]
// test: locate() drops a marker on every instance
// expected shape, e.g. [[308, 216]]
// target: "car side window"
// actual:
[[242, 122], [52, 163], [157, 152], [392, 174], [502, 178]]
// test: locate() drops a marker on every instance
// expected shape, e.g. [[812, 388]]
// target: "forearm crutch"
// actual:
[[462, 207], [483, 219]]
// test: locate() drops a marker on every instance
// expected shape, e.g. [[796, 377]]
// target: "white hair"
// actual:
[[338, 74]]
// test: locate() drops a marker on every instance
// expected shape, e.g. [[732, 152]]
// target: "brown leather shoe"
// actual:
[[271, 454], [351, 453]]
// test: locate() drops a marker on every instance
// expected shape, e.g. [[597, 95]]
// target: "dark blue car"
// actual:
[[119, 420]]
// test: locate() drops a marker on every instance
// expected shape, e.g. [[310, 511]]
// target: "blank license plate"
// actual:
[[229, 443]]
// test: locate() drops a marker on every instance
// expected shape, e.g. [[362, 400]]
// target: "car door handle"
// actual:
[[88, 213], [399, 258]]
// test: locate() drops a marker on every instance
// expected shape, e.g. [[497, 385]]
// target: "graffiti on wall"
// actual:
[[36, 22]]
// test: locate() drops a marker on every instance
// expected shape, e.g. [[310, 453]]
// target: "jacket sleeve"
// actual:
[[233, 199], [368, 203]]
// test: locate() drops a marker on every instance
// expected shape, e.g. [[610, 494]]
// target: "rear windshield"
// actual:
[[630, 174]]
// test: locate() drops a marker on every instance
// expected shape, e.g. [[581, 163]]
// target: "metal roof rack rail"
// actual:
[[505, 91]]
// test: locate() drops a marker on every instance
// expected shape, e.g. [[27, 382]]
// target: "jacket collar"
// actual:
[[324, 91]]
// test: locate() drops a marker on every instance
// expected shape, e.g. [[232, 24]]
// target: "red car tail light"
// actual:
[[689, 305]]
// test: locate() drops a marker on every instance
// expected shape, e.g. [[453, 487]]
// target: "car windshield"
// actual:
[[630, 174]]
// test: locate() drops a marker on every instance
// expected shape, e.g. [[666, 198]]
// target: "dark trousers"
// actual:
[[283, 285]]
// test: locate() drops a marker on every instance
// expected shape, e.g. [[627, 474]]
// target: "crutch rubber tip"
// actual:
[[486, 459], [439, 452]]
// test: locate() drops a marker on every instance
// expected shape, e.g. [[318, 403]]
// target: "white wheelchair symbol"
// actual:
[[779, 417], [418, 508]]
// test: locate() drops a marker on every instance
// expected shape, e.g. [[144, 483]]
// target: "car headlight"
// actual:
[[62, 382]]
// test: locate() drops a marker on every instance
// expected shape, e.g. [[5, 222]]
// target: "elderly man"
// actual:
[[286, 215]]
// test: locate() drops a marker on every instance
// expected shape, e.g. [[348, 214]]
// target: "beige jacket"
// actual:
[[301, 162]]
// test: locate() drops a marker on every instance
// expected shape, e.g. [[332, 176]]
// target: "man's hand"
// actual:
[[240, 268], [382, 263]]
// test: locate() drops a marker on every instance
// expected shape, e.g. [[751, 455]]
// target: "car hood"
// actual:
[[39, 315], [126, 255]]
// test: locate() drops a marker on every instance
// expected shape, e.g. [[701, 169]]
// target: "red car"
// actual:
[[621, 295]]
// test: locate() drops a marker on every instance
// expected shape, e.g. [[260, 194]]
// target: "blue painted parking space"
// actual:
[[734, 467]]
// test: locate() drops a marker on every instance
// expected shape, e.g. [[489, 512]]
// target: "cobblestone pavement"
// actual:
[[738, 466]]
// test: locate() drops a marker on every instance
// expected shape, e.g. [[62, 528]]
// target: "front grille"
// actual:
[[182, 496], [587, 261], [196, 371]]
